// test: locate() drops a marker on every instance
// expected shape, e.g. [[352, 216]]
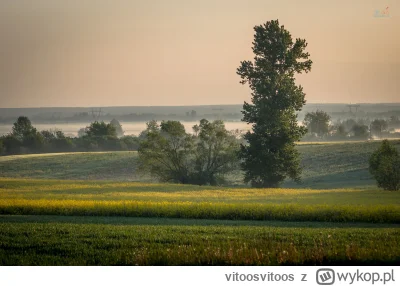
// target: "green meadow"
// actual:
[[94, 209]]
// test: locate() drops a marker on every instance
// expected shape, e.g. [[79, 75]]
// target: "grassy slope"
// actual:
[[118, 166], [326, 166], [338, 165], [44, 240]]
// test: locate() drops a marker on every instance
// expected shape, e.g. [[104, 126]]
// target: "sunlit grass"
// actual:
[[203, 210], [52, 197]]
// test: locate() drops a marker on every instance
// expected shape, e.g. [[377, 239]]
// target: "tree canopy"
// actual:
[[172, 155], [317, 122], [97, 129]]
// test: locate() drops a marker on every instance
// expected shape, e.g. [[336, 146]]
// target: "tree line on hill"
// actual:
[[98, 136], [166, 150]]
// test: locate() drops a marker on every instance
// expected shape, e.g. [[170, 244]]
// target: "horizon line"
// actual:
[[199, 105]]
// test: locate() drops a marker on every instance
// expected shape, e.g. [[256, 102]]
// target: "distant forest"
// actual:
[[184, 113]]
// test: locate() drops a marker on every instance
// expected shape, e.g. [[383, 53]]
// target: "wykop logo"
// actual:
[[325, 276]]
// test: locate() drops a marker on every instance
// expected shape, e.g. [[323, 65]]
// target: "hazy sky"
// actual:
[[170, 52]]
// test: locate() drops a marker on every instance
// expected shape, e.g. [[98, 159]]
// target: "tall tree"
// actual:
[[27, 135], [270, 155], [23, 128]]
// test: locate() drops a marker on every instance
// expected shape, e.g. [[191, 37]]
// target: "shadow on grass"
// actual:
[[182, 222], [357, 178]]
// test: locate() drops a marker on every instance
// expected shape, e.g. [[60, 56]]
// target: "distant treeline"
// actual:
[[184, 113], [133, 117], [99, 136], [24, 138], [321, 126]]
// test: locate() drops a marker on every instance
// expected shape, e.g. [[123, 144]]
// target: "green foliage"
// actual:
[[384, 165], [24, 137], [270, 155], [118, 127], [166, 152], [55, 141], [131, 142], [33, 142], [99, 136], [99, 129], [172, 155], [215, 153], [317, 122], [23, 128], [11, 144], [48, 135], [151, 126]]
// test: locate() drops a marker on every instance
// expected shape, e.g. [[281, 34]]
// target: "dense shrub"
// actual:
[[170, 154], [384, 165]]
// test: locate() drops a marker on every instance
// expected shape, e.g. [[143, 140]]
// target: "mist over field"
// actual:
[[130, 128]]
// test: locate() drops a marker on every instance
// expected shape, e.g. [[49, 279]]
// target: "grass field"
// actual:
[[325, 166], [98, 216], [47, 240]]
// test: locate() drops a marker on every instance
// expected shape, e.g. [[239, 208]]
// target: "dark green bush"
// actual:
[[384, 165]]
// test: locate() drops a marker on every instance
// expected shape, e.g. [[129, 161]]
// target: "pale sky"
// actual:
[[183, 52]]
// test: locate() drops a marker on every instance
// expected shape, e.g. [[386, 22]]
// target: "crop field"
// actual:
[[94, 209], [55, 240], [52, 222], [51, 197]]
